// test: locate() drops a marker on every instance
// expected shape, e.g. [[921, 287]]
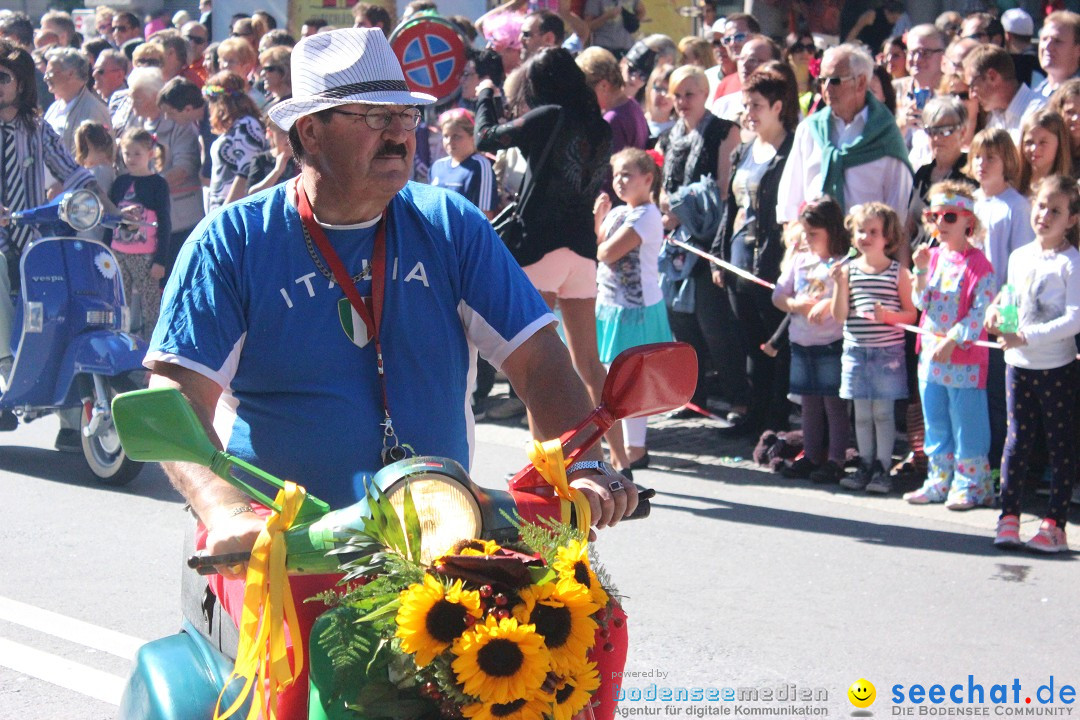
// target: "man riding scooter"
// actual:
[[326, 326], [28, 145]]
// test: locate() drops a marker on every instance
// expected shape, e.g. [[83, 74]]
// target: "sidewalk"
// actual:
[[693, 448]]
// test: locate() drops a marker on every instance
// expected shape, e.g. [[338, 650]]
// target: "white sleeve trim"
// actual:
[[491, 345], [223, 377]]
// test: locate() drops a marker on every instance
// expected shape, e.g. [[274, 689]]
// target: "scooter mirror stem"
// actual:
[[221, 464]]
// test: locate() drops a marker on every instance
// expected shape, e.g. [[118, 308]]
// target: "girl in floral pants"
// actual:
[[954, 285]]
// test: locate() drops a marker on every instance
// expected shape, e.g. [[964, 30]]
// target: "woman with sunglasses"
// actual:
[[275, 74], [945, 119], [954, 286], [798, 54]]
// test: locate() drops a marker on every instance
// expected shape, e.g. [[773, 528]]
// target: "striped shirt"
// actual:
[[865, 291], [473, 178], [37, 147]]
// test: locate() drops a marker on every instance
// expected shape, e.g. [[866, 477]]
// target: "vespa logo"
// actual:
[[47, 278]]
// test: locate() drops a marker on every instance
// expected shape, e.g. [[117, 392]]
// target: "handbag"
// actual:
[[509, 223], [630, 21]]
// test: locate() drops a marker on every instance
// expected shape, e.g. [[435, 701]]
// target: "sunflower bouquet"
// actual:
[[484, 632]]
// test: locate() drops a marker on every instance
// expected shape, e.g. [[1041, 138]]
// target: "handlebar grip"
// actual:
[[205, 564], [643, 506]]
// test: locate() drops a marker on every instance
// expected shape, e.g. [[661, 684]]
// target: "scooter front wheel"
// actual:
[[100, 441]]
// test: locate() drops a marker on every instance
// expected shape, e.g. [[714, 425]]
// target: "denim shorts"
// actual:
[[815, 369], [873, 373]]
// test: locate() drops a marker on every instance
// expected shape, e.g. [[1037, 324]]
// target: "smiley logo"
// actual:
[[862, 693]]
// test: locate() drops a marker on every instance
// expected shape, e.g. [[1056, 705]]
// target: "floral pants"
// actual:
[[142, 291], [957, 444]]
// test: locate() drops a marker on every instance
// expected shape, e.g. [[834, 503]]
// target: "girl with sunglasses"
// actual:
[[954, 285], [1041, 355]]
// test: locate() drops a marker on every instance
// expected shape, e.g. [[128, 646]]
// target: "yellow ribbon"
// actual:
[[547, 458], [262, 660]]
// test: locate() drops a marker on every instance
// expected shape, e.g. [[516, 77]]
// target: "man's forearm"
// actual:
[[545, 380]]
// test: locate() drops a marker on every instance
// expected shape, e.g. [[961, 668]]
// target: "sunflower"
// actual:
[[520, 709], [573, 564], [573, 692], [501, 660], [477, 547], [432, 616], [561, 614]]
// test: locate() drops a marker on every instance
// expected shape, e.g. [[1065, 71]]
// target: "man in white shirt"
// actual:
[[991, 78], [66, 74], [887, 178], [1059, 50], [757, 51]]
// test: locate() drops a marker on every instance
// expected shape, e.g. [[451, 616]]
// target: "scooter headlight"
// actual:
[[447, 510], [81, 209]]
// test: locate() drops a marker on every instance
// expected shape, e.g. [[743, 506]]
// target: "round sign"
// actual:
[[432, 55]]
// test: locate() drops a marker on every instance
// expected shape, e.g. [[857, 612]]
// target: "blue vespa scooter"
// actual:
[[70, 339]]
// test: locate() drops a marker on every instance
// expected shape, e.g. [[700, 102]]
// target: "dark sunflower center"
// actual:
[[500, 658], [553, 623], [445, 621], [504, 709], [474, 545], [564, 694], [581, 574]]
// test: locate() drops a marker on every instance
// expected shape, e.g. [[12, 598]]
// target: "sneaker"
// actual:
[[880, 481], [799, 470], [68, 441], [828, 473], [857, 480], [1049, 539], [1007, 536], [505, 409]]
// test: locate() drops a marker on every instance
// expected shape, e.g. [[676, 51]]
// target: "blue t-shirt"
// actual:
[[247, 307], [473, 178]]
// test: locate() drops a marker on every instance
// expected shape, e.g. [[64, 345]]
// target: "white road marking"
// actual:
[[67, 628], [59, 671]]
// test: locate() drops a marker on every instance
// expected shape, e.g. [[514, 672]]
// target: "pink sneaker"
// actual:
[[1008, 533], [1049, 539]]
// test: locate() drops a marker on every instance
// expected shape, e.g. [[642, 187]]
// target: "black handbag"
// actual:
[[630, 21], [509, 223]]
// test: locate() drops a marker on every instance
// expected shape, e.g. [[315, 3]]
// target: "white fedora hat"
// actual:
[[352, 65]]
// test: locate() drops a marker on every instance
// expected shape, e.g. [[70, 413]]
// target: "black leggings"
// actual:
[[1032, 395]]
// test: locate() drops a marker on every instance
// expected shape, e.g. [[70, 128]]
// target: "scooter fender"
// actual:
[[178, 677], [102, 352]]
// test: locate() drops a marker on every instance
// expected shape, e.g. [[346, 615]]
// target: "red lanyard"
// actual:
[[372, 320]]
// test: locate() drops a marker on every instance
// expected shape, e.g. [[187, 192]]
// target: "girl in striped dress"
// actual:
[[873, 293]]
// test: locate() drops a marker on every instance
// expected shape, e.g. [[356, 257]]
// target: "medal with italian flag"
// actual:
[[351, 322]]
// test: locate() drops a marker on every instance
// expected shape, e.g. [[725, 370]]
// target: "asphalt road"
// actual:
[[738, 580]]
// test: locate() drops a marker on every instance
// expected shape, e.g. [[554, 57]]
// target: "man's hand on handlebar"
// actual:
[[231, 529], [608, 506]]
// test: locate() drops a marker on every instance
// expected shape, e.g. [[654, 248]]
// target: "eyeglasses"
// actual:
[[835, 80], [736, 38], [978, 36], [946, 217], [273, 68], [963, 95], [6, 79], [802, 48], [526, 34], [122, 28], [942, 130], [195, 39], [923, 52], [468, 73], [381, 119], [240, 34]]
